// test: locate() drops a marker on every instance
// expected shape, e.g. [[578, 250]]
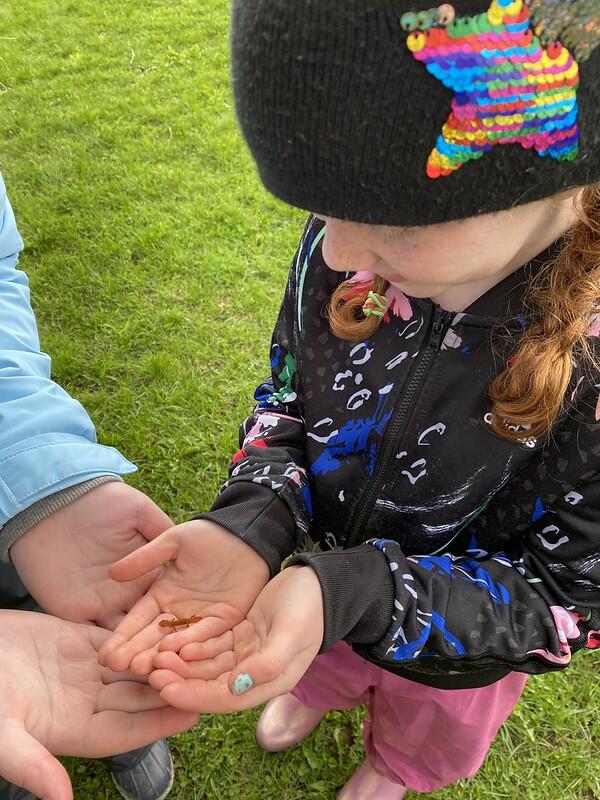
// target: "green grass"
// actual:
[[157, 264]]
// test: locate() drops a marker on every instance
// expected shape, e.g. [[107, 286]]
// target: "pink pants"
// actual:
[[420, 737]]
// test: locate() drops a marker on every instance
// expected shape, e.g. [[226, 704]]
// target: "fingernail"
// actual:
[[242, 684]]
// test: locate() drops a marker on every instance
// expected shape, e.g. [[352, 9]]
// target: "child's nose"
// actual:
[[344, 248]]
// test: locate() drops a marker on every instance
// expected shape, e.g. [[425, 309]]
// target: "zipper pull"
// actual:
[[438, 328]]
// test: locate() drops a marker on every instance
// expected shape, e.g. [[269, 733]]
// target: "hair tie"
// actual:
[[375, 305]]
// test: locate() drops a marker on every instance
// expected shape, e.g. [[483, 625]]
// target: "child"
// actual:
[[432, 417]]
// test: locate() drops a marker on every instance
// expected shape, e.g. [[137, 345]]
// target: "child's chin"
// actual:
[[420, 290]]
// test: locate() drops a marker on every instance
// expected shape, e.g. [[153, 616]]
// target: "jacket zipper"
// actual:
[[437, 331]]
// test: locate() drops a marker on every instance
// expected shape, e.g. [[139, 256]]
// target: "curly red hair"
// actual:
[[562, 300]]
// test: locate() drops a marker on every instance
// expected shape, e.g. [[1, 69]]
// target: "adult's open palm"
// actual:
[[56, 699], [64, 559]]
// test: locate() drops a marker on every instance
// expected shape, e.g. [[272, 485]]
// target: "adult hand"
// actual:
[[211, 574], [56, 699], [64, 559], [268, 652]]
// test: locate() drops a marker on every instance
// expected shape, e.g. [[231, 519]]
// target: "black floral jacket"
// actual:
[[445, 553]]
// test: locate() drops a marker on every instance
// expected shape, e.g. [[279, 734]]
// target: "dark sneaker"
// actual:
[[8, 791], [144, 774]]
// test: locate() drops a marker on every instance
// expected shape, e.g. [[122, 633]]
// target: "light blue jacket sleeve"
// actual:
[[47, 440]]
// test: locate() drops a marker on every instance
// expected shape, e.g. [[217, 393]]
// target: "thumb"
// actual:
[[152, 520], [146, 558], [26, 762], [266, 665]]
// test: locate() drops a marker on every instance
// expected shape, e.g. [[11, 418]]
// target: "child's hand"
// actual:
[[269, 651], [211, 574]]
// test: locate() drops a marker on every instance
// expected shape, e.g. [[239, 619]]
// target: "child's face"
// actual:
[[429, 261]]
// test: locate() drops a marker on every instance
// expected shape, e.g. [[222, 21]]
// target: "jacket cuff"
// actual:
[[44, 464], [25, 520], [358, 593], [257, 515]]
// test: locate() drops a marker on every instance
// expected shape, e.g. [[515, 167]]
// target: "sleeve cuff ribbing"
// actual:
[[27, 519], [358, 593], [257, 515]]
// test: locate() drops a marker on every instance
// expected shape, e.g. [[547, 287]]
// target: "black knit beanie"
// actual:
[[396, 113]]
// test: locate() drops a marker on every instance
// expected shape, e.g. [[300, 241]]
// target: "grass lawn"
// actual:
[[157, 264]]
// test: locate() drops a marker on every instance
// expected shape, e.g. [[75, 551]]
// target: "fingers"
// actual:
[[96, 636], [128, 696], [139, 631], [208, 629], [206, 670], [264, 669], [113, 732], [211, 696], [154, 554], [198, 651], [152, 520], [143, 663], [110, 620], [215, 695], [278, 660], [108, 676], [111, 617], [105, 616], [138, 653], [27, 763], [137, 637], [264, 666], [163, 677]]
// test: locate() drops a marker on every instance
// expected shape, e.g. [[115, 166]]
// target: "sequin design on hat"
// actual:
[[514, 82], [575, 22]]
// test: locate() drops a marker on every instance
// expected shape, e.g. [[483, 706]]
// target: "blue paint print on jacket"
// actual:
[[467, 569], [409, 651], [356, 436]]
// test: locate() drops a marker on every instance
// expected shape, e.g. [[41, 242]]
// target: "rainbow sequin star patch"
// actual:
[[514, 80]]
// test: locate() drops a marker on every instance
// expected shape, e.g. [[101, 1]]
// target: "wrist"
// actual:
[[14, 535], [357, 590], [232, 546], [258, 517], [309, 593]]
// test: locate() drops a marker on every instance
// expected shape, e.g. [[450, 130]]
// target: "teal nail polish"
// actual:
[[242, 684]]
